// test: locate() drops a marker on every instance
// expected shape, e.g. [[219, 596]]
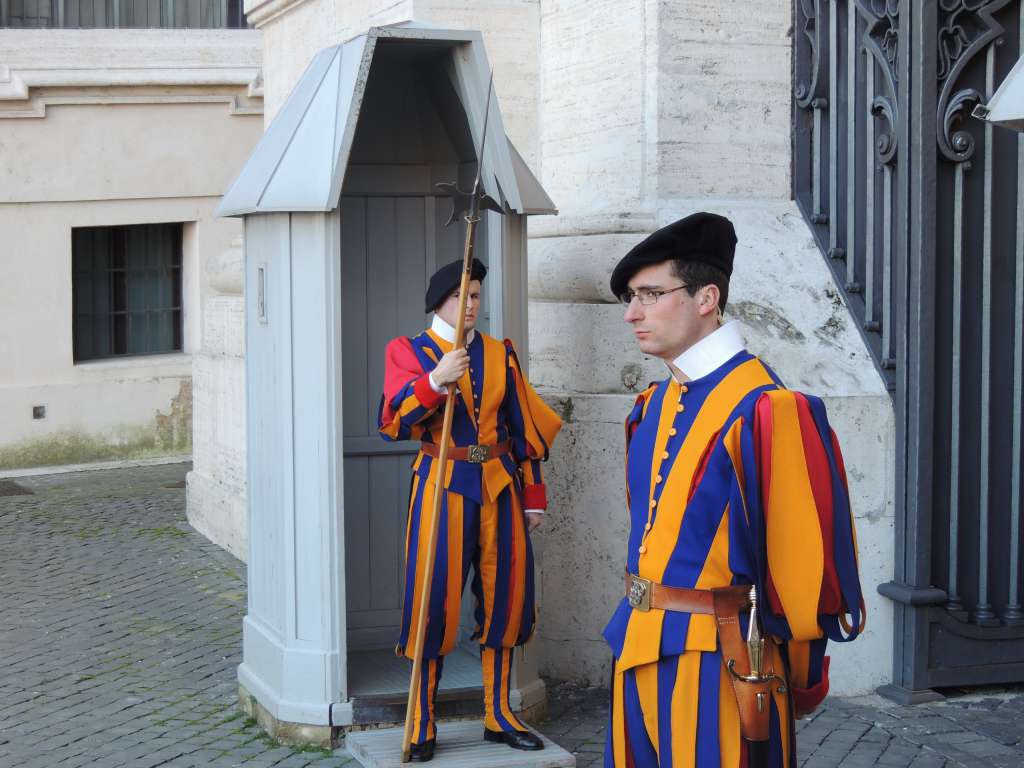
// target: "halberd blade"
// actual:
[[468, 204], [462, 202]]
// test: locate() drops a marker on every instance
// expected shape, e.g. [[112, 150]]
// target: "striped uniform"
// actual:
[[482, 522], [731, 479]]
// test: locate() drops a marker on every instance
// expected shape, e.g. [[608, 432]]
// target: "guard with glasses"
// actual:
[[495, 496], [741, 558]]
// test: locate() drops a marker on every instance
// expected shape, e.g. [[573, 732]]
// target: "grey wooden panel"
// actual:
[[390, 247], [411, 252], [311, 342], [269, 433], [389, 180], [382, 280], [357, 536], [381, 635], [513, 287], [384, 249], [354, 317], [449, 241], [373, 445], [385, 512]]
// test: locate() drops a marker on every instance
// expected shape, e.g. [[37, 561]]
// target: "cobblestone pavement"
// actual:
[[120, 631], [983, 728]]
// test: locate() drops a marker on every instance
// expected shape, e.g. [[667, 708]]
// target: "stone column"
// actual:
[[216, 485]]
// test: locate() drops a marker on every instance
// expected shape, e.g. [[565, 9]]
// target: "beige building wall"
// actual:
[[99, 128]]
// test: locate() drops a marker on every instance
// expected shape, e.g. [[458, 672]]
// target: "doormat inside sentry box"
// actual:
[[459, 745]]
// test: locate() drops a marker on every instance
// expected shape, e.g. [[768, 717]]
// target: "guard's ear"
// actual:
[[709, 298]]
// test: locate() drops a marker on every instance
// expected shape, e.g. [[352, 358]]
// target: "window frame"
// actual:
[[119, 264]]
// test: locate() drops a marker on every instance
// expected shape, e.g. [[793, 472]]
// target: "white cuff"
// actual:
[[441, 390], [535, 511]]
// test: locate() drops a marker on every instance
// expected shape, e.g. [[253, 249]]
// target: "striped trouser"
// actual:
[[491, 538], [681, 711], [497, 666]]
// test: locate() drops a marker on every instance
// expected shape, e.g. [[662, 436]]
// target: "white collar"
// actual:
[[711, 352], [447, 332]]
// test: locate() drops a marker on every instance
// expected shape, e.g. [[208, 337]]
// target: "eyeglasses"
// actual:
[[647, 296]]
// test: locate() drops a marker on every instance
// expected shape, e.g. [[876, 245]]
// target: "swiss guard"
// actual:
[[495, 496], [741, 562]]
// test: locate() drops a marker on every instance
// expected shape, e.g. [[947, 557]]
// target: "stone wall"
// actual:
[[585, 361], [216, 485]]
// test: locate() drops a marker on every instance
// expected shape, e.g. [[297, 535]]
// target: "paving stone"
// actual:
[[120, 637], [115, 632], [462, 747]]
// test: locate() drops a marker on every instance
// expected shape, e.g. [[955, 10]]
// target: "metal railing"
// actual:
[[919, 211], [846, 149], [122, 14]]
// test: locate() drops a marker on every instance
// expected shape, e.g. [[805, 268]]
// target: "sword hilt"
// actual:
[[755, 642]]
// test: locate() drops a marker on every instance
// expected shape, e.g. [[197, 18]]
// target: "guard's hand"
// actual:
[[451, 367], [533, 521]]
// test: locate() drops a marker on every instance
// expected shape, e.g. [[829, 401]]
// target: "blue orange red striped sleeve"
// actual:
[[534, 491], [808, 674], [801, 525], [533, 426], [408, 397]]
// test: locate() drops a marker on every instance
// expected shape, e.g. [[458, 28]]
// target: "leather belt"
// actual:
[[725, 604], [645, 594], [474, 454]]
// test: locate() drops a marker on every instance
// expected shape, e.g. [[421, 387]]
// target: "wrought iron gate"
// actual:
[[919, 210]]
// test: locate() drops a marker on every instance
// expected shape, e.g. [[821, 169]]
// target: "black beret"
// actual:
[[704, 237], [447, 279]]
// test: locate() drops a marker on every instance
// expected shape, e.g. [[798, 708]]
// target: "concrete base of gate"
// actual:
[[908, 695], [459, 745]]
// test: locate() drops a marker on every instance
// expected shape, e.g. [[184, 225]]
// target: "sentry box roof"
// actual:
[[301, 161]]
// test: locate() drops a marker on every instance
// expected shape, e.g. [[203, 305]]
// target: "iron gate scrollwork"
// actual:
[[919, 211]]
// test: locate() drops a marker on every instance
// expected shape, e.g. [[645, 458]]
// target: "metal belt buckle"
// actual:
[[478, 454], [640, 593]]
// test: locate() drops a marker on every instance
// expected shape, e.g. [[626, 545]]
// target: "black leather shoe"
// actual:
[[515, 739], [422, 753]]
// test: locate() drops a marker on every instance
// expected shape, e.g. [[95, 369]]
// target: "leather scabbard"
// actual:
[[754, 720]]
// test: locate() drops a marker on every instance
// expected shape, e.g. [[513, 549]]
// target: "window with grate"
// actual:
[[123, 14], [127, 290]]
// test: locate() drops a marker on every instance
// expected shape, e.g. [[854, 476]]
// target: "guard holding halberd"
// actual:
[[495, 495], [741, 559]]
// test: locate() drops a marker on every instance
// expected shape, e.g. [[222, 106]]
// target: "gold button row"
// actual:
[[658, 478]]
